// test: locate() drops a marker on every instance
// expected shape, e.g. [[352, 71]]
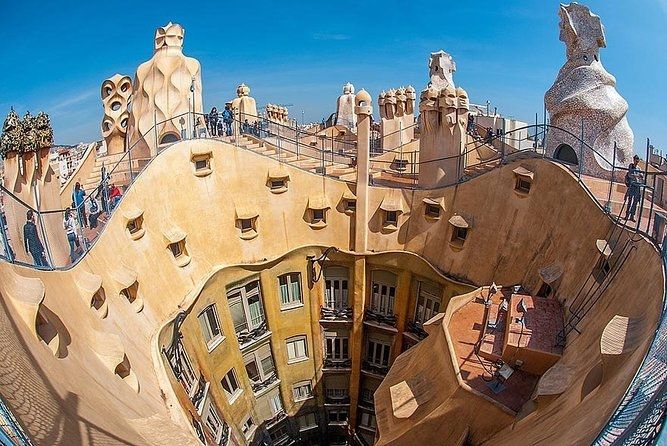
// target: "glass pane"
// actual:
[[284, 296], [296, 291], [213, 321], [255, 309], [345, 348], [267, 366], [253, 372], [204, 327], [238, 316], [291, 350]]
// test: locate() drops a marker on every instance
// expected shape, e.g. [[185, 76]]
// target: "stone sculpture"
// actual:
[[585, 93], [116, 93], [28, 133], [244, 106], [10, 141], [441, 69], [397, 107], [166, 87], [44, 131], [345, 108], [444, 113]]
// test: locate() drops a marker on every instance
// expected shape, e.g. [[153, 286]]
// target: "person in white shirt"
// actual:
[[69, 224]]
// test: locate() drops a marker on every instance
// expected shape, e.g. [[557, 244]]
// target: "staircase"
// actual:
[[120, 163], [308, 159]]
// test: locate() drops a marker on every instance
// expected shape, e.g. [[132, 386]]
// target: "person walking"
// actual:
[[33, 244], [634, 181], [213, 121], [228, 118], [69, 224], [78, 197]]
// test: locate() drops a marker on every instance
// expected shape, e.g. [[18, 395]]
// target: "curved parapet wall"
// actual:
[[510, 237]]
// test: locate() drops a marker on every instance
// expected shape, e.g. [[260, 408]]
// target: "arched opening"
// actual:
[[566, 154], [169, 138]]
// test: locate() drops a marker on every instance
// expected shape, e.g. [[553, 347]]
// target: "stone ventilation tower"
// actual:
[[345, 108], [116, 94], [443, 115], [166, 87], [244, 105], [397, 117], [584, 96]]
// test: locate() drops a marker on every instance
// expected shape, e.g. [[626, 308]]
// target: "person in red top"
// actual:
[[114, 195]]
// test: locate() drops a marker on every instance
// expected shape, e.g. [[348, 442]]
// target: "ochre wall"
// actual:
[[510, 239]]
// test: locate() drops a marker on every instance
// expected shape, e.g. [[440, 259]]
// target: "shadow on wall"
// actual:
[[29, 394]]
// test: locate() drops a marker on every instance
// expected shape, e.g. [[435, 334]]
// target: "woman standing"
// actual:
[[213, 121], [69, 224]]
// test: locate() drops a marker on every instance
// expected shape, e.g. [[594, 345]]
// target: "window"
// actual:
[[290, 290], [459, 234], [367, 420], [297, 349], [248, 427], [246, 224], [213, 422], [428, 301], [319, 215], [545, 290], [134, 226], [351, 205], [245, 304], [336, 387], [302, 391], [602, 269], [231, 385], [259, 365], [306, 421], [201, 164], [210, 326], [180, 361], [522, 184], [337, 416], [276, 405], [432, 210], [279, 432], [337, 348], [367, 395], [278, 184], [336, 288], [391, 218], [378, 352], [383, 292], [336, 393], [177, 249]]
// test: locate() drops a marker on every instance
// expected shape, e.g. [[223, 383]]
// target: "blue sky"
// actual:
[[55, 56]]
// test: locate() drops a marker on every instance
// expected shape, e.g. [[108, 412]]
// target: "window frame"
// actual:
[[210, 409], [338, 412], [372, 352], [294, 339], [296, 389], [331, 300], [306, 417], [231, 397], [290, 281], [257, 358], [391, 218], [383, 302], [211, 340], [427, 296], [333, 338], [242, 297]]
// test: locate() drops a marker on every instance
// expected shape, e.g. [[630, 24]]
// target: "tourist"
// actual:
[[489, 135], [33, 244], [228, 118], [69, 224], [470, 128], [78, 197], [94, 213], [246, 127], [114, 196], [213, 121], [634, 181]]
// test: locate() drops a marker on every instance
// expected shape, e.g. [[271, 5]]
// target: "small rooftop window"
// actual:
[[317, 210], [523, 180], [246, 221], [460, 228], [176, 246]]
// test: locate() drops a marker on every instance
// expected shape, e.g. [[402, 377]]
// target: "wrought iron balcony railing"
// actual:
[[336, 314], [374, 316], [246, 337], [259, 386], [416, 329], [374, 368], [337, 363]]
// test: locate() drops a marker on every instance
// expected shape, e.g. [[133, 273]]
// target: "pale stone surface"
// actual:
[[244, 105], [116, 93], [444, 116], [441, 70], [162, 91], [585, 93], [397, 107], [345, 108]]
